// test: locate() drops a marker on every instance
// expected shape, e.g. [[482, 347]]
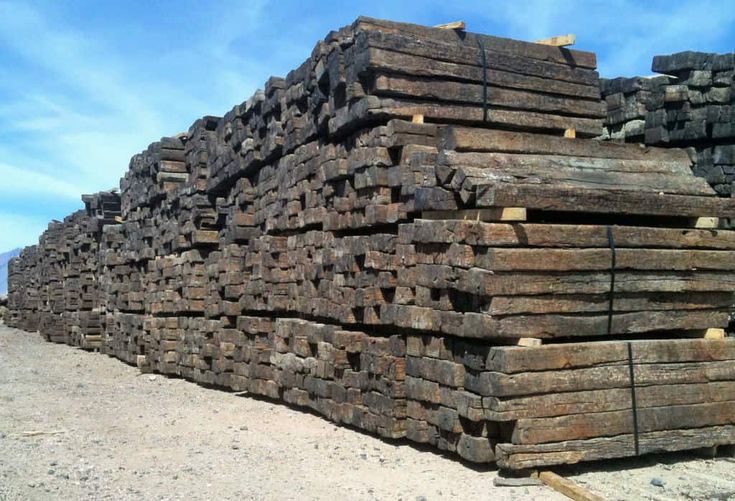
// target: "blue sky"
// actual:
[[86, 84]]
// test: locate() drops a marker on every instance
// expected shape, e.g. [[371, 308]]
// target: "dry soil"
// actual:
[[79, 425]]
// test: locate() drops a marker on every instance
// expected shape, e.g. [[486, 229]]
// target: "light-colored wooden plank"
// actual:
[[567, 487], [706, 222], [454, 25], [417, 119], [529, 342], [714, 333], [558, 41], [570, 133], [492, 214]]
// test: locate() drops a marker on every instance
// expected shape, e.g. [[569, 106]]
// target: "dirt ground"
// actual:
[[78, 425]]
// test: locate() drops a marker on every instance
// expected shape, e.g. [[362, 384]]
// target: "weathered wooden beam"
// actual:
[[534, 456]]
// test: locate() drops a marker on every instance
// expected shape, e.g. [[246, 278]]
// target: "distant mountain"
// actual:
[[4, 258]]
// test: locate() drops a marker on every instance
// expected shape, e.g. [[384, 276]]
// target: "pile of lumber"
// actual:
[[56, 283], [697, 105], [690, 105], [384, 239], [102, 208], [23, 290], [50, 269], [374, 70], [567, 403], [152, 173], [627, 104], [84, 311], [153, 262]]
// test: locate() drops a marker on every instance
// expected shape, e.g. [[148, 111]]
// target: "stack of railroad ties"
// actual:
[[85, 312], [690, 106], [399, 236], [55, 283], [23, 290]]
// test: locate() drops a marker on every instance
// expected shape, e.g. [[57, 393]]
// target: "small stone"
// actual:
[[363, 456], [243, 428], [151, 378], [657, 482], [51, 472], [421, 498], [235, 446]]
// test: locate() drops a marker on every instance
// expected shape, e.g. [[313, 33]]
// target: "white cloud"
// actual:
[[29, 183], [78, 105], [87, 66]]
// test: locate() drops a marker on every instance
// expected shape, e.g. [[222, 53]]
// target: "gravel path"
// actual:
[[108, 432]]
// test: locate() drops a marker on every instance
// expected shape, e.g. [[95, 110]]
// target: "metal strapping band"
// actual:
[[484, 80], [611, 294], [633, 400]]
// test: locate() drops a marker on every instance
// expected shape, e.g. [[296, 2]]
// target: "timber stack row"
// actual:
[[382, 238], [691, 105], [55, 284]]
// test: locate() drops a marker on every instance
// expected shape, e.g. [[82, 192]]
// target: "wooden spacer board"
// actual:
[[558, 41], [706, 222], [714, 333], [529, 342], [454, 25], [491, 214]]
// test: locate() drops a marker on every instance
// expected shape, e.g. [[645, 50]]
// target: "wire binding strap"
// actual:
[[634, 404], [484, 79], [611, 294]]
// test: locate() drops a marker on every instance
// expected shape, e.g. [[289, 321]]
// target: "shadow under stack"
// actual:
[[399, 236]]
